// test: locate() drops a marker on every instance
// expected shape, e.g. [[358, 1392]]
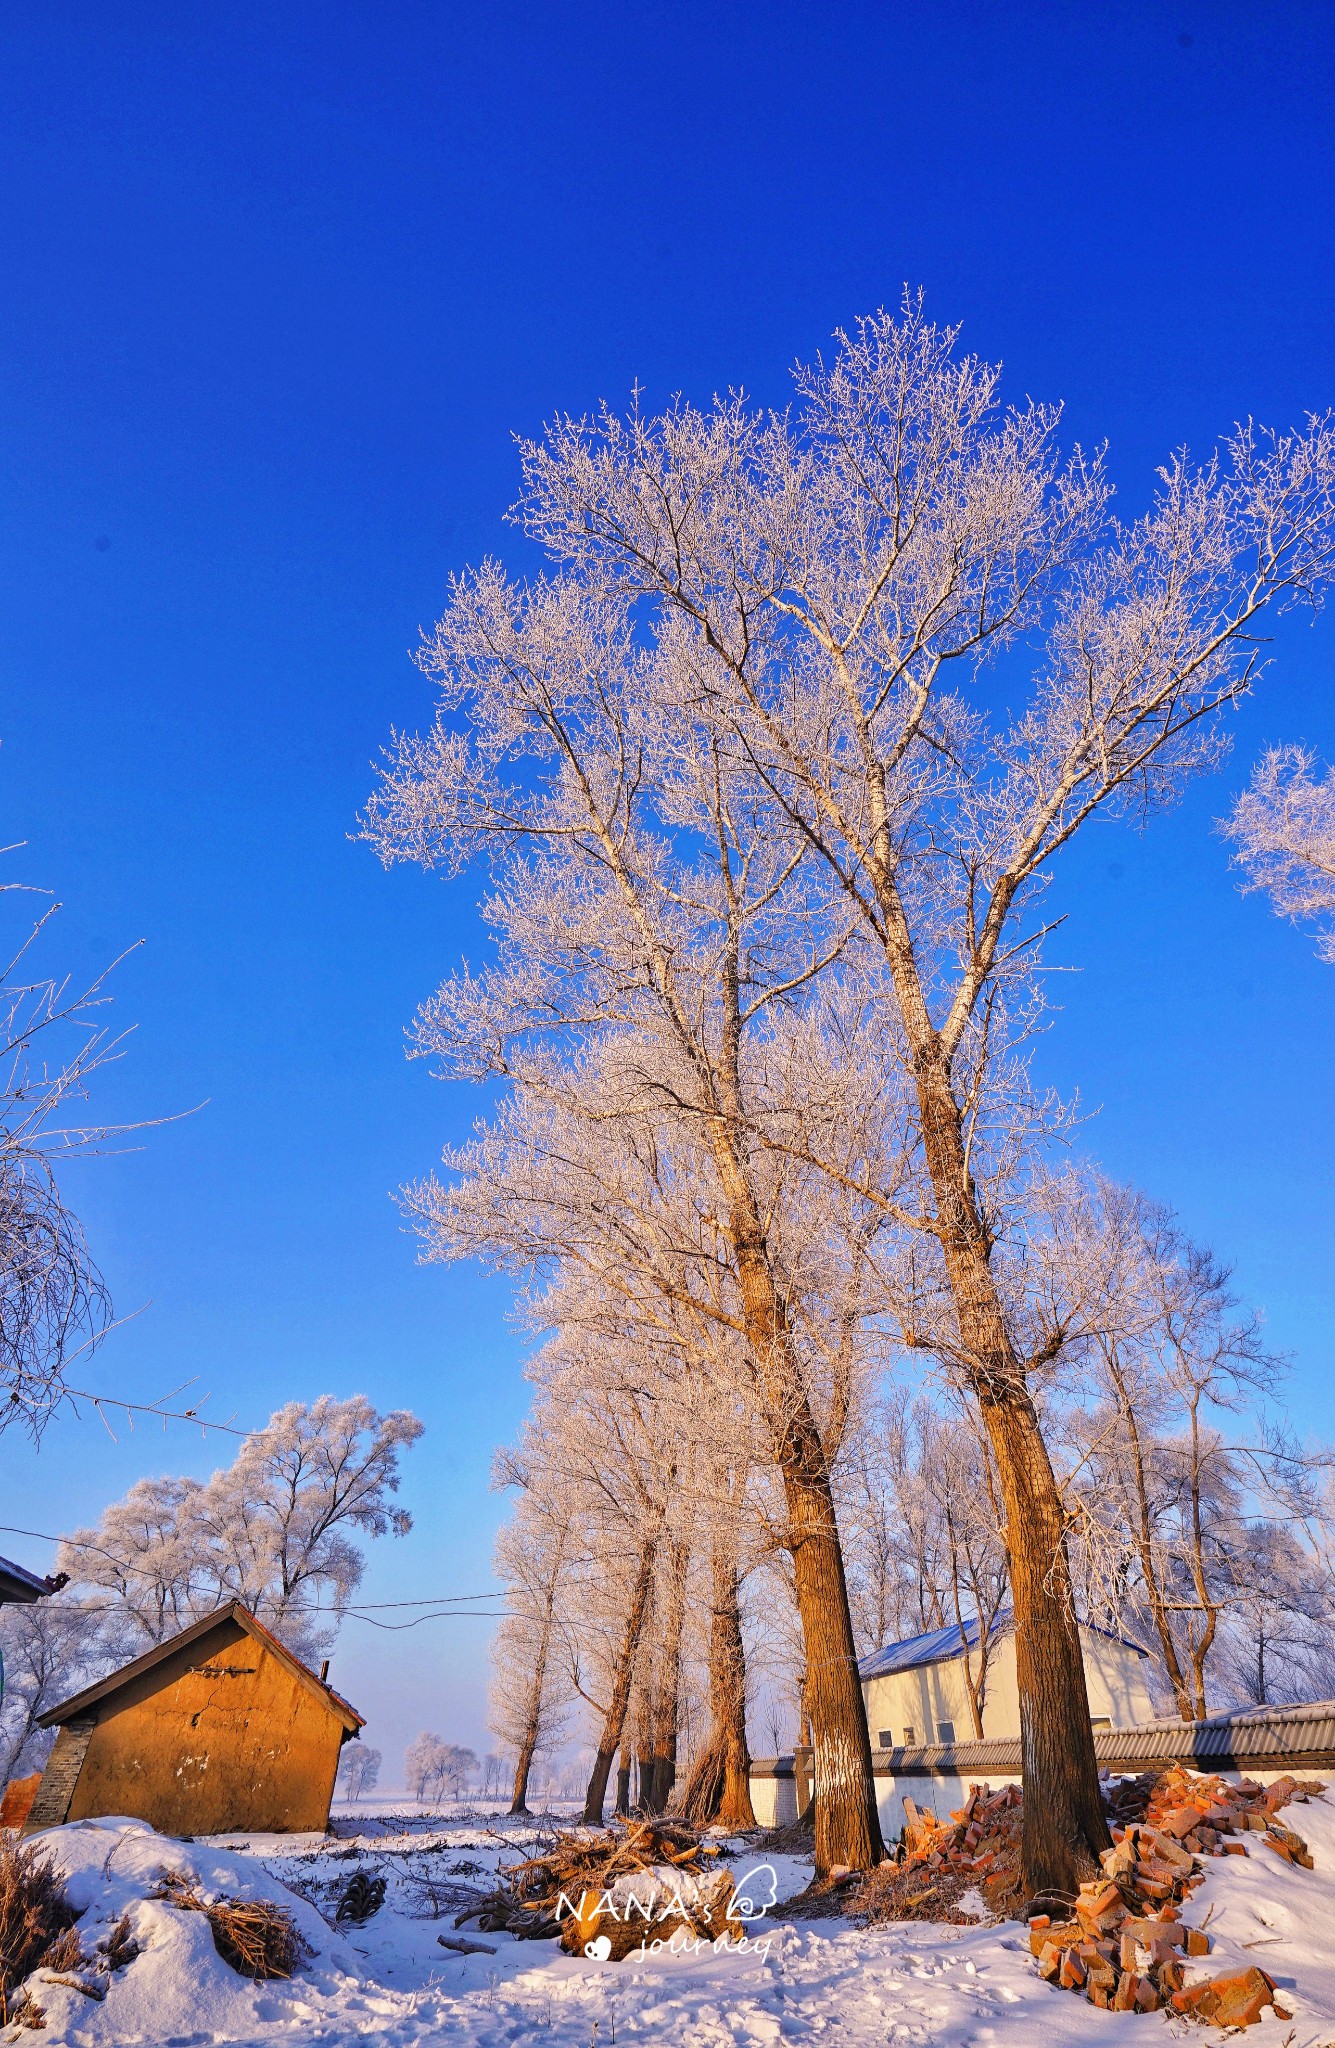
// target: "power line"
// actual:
[[361, 1608]]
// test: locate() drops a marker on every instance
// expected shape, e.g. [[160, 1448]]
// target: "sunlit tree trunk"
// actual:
[[623, 1672], [719, 1788], [1065, 1828]]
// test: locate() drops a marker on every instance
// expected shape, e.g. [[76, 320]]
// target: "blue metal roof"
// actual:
[[939, 1645], [935, 1647]]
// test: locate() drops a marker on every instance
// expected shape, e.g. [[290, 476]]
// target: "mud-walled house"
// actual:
[[220, 1728]]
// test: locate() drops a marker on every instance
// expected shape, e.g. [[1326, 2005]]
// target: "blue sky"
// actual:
[[279, 286]]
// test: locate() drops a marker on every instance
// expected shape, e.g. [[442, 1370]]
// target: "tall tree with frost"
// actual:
[[1283, 827], [649, 899], [533, 1560], [611, 1435], [843, 575]]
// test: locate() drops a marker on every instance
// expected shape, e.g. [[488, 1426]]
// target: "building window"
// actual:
[[910, 1737], [945, 1731], [886, 1739], [1100, 1721]]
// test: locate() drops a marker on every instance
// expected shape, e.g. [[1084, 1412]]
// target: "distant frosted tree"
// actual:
[[1283, 826], [358, 1770], [424, 1766], [526, 1702], [459, 1768], [433, 1766], [274, 1530], [51, 1649]]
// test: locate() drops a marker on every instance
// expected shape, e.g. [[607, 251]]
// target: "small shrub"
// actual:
[[34, 1917], [120, 1947], [27, 2013], [255, 1936], [65, 1952]]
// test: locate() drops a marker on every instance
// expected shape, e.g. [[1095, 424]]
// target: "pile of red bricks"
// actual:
[[977, 1849], [1125, 1946]]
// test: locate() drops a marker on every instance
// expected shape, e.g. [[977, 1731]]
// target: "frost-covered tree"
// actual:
[[358, 1770], [433, 1766], [584, 1178], [276, 1529], [424, 1766], [648, 899], [53, 1304], [51, 1650], [927, 644], [1283, 829], [1181, 1481], [527, 1704]]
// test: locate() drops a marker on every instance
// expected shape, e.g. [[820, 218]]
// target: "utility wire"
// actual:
[[359, 1608]]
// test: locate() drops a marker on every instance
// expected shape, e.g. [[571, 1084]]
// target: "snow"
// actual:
[[960, 1987]]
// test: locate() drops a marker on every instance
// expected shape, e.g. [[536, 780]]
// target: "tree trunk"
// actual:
[[1145, 1545], [615, 1718], [719, 1788], [1065, 1828], [848, 1828], [661, 1774], [523, 1767], [622, 1807]]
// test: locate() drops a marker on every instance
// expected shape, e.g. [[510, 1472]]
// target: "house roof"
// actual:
[[69, 1709], [18, 1585], [942, 1645]]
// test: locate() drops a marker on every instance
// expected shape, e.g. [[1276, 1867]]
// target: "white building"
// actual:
[[916, 1693]]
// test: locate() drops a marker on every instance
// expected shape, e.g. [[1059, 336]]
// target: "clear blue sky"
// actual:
[[279, 283]]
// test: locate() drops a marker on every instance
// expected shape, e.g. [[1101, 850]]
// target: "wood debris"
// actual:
[[577, 1890]]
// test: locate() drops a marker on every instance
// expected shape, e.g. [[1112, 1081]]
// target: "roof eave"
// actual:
[[115, 1681]]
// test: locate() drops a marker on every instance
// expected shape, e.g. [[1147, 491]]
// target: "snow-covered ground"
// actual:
[[389, 1981]]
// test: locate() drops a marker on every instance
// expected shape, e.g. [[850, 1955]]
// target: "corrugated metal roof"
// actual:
[[936, 1647], [941, 1645]]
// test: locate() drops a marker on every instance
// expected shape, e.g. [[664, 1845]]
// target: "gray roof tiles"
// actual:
[[1298, 1738]]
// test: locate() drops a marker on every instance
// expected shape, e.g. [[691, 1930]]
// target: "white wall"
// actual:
[[1116, 1675]]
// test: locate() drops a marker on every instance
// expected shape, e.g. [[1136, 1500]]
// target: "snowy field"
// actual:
[[389, 1981]]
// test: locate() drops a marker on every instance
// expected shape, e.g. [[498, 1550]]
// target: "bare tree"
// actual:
[[53, 1304], [838, 579], [1283, 826]]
